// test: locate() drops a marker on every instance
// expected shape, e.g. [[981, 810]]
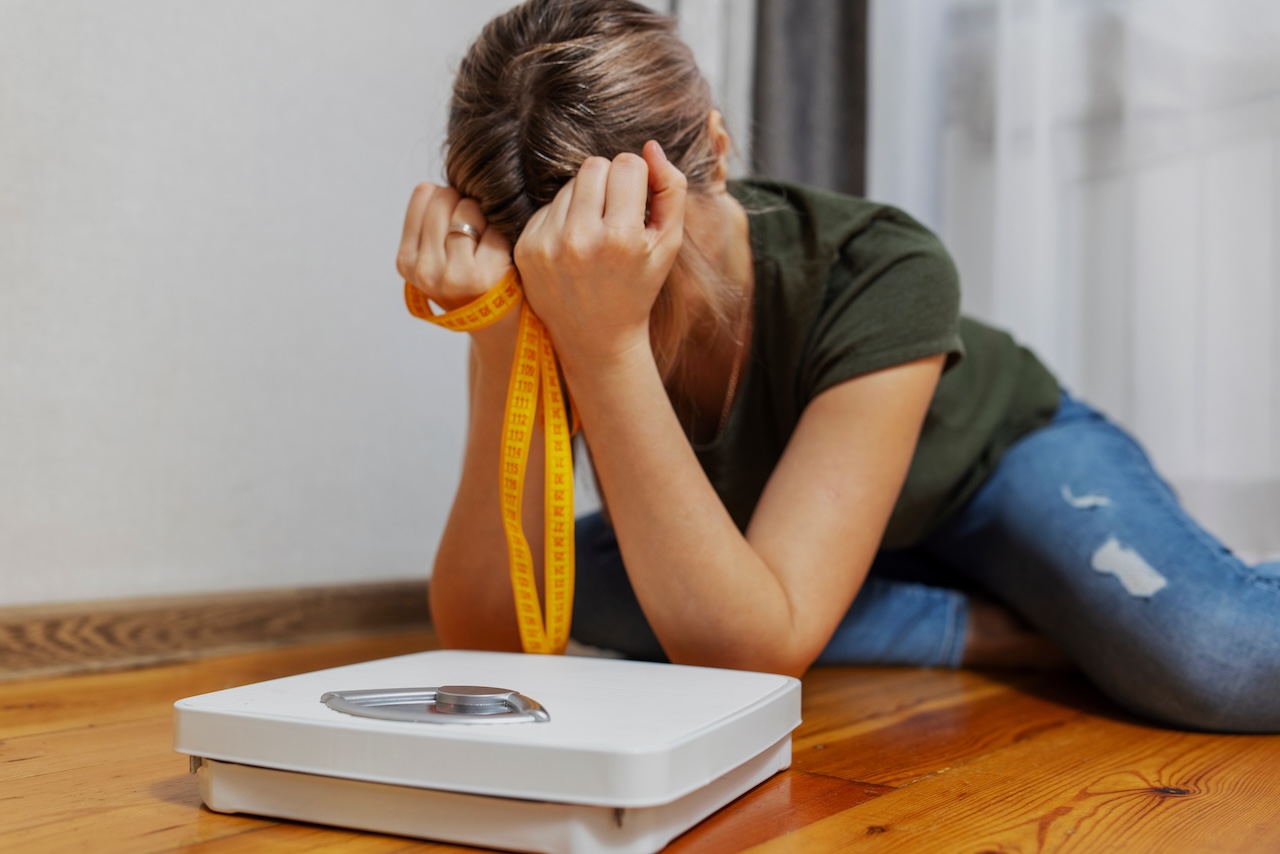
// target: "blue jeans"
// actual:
[[1075, 532]]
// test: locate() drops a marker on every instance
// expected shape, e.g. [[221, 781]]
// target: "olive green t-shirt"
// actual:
[[844, 287]]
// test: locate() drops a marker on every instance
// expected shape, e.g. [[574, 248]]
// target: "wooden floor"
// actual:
[[886, 760]]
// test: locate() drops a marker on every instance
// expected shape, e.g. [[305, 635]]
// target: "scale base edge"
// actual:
[[479, 820]]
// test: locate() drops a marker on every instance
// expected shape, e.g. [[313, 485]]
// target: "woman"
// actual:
[[790, 424]]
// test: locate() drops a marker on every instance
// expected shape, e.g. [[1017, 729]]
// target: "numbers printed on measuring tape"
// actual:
[[534, 366]]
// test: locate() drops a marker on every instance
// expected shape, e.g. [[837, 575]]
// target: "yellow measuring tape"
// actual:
[[534, 365]]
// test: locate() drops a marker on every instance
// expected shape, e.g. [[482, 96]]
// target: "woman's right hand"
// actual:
[[450, 267]]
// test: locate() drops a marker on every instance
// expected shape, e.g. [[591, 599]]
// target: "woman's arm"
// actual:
[[592, 265], [770, 600], [471, 600]]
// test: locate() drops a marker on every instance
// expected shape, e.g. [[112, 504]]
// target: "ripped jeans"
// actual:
[[1078, 534]]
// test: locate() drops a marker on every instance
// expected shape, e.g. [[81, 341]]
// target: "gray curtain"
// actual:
[[810, 100]]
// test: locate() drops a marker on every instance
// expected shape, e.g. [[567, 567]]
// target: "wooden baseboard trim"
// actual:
[[81, 637]]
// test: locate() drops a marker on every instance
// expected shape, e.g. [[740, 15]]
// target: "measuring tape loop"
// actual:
[[533, 369]]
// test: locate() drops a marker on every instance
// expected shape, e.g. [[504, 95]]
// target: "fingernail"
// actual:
[[661, 150]]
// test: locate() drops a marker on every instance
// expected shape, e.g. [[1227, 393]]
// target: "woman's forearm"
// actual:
[[768, 600], [451, 256], [709, 597], [471, 598]]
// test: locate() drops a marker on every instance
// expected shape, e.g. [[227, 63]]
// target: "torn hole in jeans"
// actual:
[[1139, 578]]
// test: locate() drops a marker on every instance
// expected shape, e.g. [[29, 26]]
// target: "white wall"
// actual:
[[207, 377]]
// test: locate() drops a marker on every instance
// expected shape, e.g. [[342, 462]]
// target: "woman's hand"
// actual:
[[450, 267], [592, 263]]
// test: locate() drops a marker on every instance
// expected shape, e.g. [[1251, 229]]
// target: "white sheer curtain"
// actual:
[[1107, 173]]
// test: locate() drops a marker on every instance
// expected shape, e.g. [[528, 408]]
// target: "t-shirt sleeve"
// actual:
[[893, 296]]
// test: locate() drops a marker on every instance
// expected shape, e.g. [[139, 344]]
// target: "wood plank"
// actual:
[[922, 740], [288, 838], [786, 802], [1090, 785], [81, 637], [840, 702]]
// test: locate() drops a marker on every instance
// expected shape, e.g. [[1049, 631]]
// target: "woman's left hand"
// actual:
[[592, 264]]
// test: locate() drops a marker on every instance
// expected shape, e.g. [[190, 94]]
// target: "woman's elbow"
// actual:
[[770, 657]]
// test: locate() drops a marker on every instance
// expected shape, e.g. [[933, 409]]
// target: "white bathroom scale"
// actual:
[[499, 750]]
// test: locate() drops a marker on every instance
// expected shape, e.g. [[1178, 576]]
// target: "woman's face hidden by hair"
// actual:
[[552, 82]]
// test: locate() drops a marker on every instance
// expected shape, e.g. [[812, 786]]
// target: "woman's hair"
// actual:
[[552, 82]]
